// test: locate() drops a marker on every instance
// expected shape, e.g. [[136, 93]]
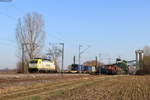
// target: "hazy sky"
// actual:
[[112, 28]]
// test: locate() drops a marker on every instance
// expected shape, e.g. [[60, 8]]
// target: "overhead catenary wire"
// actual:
[[9, 45], [13, 19], [59, 34], [8, 16], [8, 41], [81, 52], [17, 9], [54, 37]]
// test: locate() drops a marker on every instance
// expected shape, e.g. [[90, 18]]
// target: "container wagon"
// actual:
[[89, 69], [76, 68]]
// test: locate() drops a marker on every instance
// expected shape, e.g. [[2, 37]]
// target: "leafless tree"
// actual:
[[54, 52], [30, 35]]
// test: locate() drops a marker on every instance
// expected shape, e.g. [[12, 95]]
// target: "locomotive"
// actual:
[[41, 65]]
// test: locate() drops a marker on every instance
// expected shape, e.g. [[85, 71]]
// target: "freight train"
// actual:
[[120, 67], [110, 69], [76, 68], [46, 65], [41, 65]]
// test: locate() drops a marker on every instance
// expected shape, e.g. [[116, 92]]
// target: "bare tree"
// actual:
[[30, 35], [54, 52]]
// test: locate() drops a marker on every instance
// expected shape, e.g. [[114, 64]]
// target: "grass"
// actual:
[[64, 90], [92, 88], [115, 88], [33, 98]]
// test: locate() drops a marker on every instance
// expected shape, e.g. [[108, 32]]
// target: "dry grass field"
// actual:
[[75, 87]]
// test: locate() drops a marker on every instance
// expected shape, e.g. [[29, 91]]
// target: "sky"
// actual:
[[110, 28]]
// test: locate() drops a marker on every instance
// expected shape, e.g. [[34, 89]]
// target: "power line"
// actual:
[[8, 16], [17, 9], [55, 37], [8, 41], [59, 34], [11, 41], [7, 44], [82, 51]]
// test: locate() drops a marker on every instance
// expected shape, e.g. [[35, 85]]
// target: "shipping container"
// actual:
[[77, 68], [89, 69]]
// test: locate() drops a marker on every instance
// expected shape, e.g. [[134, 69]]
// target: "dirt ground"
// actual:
[[112, 88], [75, 87]]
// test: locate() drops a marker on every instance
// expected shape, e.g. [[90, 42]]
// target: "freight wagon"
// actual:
[[76, 68], [100, 70], [89, 69], [120, 67], [122, 64], [41, 65], [110, 69]]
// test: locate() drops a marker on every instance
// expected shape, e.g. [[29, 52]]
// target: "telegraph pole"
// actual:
[[23, 67], [81, 52], [80, 57], [109, 60], [74, 60], [100, 58], [96, 62], [62, 67]]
